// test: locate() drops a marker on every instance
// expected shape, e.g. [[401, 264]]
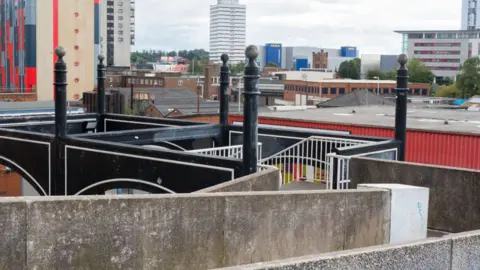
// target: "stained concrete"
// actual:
[[191, 231], [429, 254], [268, 180], [13, 234], [454, 201], [465, 250]]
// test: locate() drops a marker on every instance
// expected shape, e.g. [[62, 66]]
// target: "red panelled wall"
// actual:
[[430, 147]]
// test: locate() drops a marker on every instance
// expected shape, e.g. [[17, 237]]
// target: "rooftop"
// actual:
[[419, 117]]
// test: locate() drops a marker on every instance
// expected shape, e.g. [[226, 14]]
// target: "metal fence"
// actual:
[[307, 159], [337, 173], [233, 151]]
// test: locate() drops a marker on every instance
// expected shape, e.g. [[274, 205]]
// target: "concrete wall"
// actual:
[[456, 252], [199, 231], [454, 201], [268, 180]]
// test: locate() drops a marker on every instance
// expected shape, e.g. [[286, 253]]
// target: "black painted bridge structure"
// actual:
[[92, 153]]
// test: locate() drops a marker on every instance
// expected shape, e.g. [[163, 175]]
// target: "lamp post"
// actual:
[[378, 84]]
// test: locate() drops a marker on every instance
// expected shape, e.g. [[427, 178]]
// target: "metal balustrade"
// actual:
[[233, 151], [307, 159]]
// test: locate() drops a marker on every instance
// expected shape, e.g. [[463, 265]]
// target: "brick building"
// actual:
[[334, 88], [320, 59]]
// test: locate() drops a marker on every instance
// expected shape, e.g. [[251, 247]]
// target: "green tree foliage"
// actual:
[[418, 72], [468, 81], [450, 91], [196, 67], [197, 54], [350, 69], [271, 64], [237, 68]]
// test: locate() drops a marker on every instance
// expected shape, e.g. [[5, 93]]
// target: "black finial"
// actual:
[[100, 93], [251, 52], [224, 58], [60, 93], [101, 58], [402, 60], [60, 52]]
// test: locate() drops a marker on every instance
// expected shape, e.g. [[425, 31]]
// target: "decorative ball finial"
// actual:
[[402, 59], [224, 58], [251, 52], [60, 51], [101, 57]]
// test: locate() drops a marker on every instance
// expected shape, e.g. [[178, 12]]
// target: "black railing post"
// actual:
[[100, 93], [224, 83], [60, 94], [250, 111], [401, 109]]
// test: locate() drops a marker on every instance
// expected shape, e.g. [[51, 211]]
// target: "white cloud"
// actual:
[[367, 24]]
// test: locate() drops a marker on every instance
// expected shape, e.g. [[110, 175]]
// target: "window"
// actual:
[[370, 89], [120, 18], [424, 92], [394, 90], [385, 90], [120, 39], [180, 83], [333, 91], [410, 91], [417, 91], [129, 80], [325, 91], [341, 91], [141, 81], [415, 36], [120, 3], [120, 10], [120, 32], [429, 35]]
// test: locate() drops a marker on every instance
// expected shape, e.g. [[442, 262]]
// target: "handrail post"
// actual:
[[224, 97], [401, 106], [100, 93], [250, 111], [60, 86]]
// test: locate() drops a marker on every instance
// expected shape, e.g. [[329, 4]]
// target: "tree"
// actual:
[[450, 91], [350, 69], [418, 72], [196, 67], [271, 64], [468, 81], [237, 68], [172, 54]]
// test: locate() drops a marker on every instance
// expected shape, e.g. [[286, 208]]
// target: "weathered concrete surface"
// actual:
[[192, 231], [465, 250], [13, 234], [268, 180], [432, 254], [454, 202]]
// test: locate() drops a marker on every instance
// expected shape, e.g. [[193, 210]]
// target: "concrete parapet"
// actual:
[[191, 231], [454, 201], [465, 250], [268, 180]]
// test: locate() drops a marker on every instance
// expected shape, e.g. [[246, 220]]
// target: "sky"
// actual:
[[366, 24]]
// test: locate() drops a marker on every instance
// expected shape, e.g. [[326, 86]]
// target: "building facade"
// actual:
[[442, 51], [335, 88], [470, 15], [291, 54], [228, 30], [273, 54], [32, 29], [320, 60], [117, 31]]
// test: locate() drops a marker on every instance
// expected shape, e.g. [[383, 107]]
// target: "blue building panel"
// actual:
[[348, 51], [273, 54], [301, 63]]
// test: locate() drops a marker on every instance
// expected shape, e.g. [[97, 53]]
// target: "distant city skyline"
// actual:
[[366, 24]]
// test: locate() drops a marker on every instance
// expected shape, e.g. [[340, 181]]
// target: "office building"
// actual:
[[320, 60], [32, 29], [273, 54], [470, 15], [228, 30], [291, 54], [442, 51], [117, 31]]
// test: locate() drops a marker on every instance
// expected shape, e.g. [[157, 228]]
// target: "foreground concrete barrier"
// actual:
[[268, 180], [194, 231], [455, 252], [454, 200]]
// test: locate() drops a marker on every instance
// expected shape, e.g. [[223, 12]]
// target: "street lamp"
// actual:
[[378, 84]]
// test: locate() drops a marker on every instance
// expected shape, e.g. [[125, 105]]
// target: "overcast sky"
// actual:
[[367, 24]]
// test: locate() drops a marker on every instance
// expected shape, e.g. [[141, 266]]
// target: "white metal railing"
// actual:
[[340, 173], [233, 151], [307, 159]]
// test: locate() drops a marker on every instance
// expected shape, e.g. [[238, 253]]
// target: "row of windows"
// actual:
[[341, 91], [438, 44], [438, 52], [147, 81], [444, 68], [442, 35], [439, 60]]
